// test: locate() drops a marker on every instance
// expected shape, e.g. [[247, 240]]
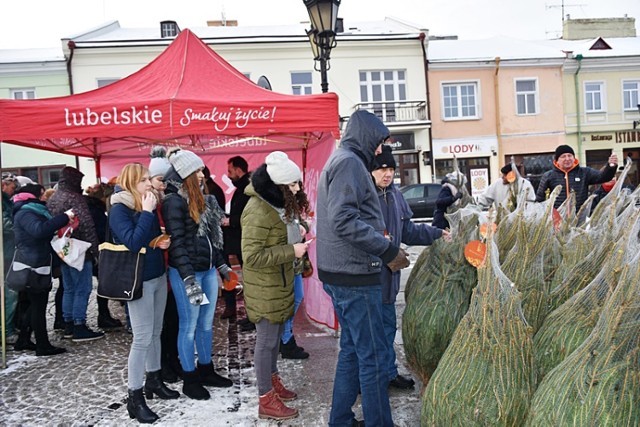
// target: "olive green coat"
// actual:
[[267, 262]]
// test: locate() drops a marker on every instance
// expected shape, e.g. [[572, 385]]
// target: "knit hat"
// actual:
[[281, 169], [384, 159], [24, 180], [563, 149], [159, 164], [506, 169], [73, 177], [185, 162], [456, 179], [9, 177]]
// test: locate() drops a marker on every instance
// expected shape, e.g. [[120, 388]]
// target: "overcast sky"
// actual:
[[42, 23]]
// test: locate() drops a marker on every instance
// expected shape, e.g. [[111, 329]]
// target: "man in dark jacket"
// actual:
[[568, 173], [351, 252], [77, 284], [399, 229], [238, 173]]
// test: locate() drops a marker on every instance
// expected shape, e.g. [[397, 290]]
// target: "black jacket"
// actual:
[[194, 246], [577, 179], [444, 200], [33, 231], [233, 233]]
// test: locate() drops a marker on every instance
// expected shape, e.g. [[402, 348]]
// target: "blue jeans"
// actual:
[[389, 326], [77, 288], [362, 361], [195, 322], [298, 294]]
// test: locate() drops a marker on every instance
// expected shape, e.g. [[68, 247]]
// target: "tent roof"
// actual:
[[187, 96]]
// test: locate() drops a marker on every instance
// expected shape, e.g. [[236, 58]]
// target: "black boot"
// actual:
[[291, 351], [192, 387], [105, 321], [209, 377], [154, 385], [24, 340], [168, 374], [138, 409]]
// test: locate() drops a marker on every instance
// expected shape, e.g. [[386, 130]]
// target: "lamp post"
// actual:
[[636, 123], [322, 35]]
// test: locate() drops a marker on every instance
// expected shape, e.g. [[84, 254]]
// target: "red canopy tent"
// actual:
[[191, 97]]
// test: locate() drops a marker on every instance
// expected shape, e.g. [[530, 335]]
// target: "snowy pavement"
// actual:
[[88, 384]]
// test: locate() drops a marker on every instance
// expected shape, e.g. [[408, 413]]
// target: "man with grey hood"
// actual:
[[351, 251]]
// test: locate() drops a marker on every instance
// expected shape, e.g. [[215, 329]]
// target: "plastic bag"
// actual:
[[70, 250]]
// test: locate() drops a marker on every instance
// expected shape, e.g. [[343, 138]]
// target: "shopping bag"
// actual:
[[70, 250], [120, 272]]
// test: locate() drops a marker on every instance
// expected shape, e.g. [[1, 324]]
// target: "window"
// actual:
[[526, 96], [630, 95], [301, 83], [593, 97], [380, 90], [23, 93], [169, 29], [105, 82], [460, 100]]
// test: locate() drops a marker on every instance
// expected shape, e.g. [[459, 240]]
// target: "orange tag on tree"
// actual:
[[557, 219], [475, 252], [230, 285], [484, 228], [511, 177]]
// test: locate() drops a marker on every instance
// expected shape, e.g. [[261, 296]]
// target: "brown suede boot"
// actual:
[[272, 407], [282, 392]]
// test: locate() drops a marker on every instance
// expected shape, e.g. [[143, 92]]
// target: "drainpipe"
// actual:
[[496, 94], [577, 90], [422, 38], [72, 46]]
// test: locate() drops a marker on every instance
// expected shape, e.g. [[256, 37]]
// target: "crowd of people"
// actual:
[[173, 209]]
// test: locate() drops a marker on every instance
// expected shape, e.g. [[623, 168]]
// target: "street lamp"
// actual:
[[322, 35], [636, 123]]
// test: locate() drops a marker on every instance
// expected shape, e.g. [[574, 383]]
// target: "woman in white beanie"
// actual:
[[192, 219], [271, 241]]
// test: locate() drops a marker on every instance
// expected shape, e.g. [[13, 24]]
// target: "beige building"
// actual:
[[491, 100]]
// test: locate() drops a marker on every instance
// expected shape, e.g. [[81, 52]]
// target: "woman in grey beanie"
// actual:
[[192, 219]]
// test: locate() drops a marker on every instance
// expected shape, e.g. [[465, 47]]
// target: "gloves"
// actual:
[[399, 262], [194, 291], [224, 269], [458, 196]]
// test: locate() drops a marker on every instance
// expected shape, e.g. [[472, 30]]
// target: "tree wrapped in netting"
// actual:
[[618, 197], [584, 256], [526, 264], [599, 383], [485, 377], [437, 295], [567, 327]]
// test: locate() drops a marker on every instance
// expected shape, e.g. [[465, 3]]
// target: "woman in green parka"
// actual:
[[270, 242]]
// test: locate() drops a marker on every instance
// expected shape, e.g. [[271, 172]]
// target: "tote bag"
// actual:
[[120, 272]]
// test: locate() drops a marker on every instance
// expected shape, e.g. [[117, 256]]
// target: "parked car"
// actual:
[[421, 198]]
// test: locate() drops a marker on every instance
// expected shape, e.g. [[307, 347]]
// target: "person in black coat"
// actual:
[[568, 174], [33, 228], [238, 172], [449, 194], [193, 219]]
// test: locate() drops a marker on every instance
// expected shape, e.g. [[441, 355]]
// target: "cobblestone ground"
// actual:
[[87, 385]]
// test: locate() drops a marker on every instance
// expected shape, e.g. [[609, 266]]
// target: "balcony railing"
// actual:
[[396, 111]]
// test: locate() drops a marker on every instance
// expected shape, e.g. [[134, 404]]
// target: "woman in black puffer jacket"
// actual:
[[34, 227], [192, 219]]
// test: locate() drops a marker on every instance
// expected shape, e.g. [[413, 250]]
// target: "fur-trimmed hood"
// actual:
[[266, 188]]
